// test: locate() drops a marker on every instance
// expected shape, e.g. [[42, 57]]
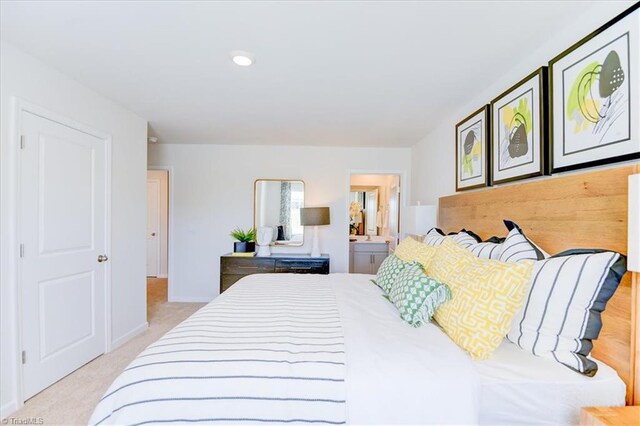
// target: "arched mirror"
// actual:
[[277, 204]]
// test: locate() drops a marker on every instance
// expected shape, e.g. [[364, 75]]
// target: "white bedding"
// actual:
[[271, 350], [397, 374], [515, 386], [393, 373], [513, 378]]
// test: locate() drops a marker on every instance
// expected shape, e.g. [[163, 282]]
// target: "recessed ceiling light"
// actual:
[[242, 58]]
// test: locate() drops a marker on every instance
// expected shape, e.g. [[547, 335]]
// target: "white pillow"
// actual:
[[518, 247], [436, 237], [561, 312], [464, 239], [487, 250]]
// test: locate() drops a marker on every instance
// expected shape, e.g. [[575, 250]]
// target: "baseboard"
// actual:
[[190, 299], [8, 409], [130, 335]]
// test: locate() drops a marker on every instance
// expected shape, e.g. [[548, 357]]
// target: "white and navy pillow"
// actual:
[[517, 247], [489, 249], [466, 239], [562, 310], [434, 237]]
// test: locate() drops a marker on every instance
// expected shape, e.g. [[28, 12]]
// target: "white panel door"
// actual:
[[62, 231], [153, 227]]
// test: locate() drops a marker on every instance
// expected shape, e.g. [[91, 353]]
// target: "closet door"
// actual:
[[62, 234]]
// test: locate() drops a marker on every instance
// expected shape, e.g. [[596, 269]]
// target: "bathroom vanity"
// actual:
[[365, 257]]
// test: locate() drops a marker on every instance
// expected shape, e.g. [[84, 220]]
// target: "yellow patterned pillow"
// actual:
[[410, 250], [486, 294], [449, 258]]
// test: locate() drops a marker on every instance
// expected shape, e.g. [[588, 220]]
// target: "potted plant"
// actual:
[[245, 240]]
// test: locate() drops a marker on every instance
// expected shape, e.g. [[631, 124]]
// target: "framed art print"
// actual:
[[472, 138], [518, 130], [595, 96]]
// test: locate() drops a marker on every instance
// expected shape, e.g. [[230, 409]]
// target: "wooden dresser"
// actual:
[[232, 268]]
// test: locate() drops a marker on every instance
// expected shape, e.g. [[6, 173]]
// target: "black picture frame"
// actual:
[[543, 127], [552, 137], [486, 181]]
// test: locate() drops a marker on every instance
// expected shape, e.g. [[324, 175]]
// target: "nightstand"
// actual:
[[232, 268], [618, 416]]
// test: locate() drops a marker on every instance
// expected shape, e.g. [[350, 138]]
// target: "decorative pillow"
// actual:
[[388, 271], [487, 250], [561, 313], [410, 250], [434, 237], [518, 247], [449, 258], [466, 238], [486, 294], [417, 296]]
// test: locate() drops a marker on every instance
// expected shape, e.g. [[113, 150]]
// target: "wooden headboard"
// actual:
[[586, 210]]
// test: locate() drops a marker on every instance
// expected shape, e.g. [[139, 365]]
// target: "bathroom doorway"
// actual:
[[374, 220]]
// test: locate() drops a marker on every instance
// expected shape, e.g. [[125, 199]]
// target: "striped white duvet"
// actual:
[[289, 348], [268, 351]]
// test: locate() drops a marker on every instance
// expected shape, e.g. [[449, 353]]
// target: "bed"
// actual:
[[287, 348], [385, 372]]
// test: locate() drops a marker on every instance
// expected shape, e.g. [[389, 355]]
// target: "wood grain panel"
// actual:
[[585, 210], [610, 416]]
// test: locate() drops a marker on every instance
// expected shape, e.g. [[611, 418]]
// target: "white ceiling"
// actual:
[[326, 73]]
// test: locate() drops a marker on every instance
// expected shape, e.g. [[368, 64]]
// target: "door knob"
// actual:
[[153, 234], [102, 258]]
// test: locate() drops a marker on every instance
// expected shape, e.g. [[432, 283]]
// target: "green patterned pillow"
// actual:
[[417, 296], [389, 270]]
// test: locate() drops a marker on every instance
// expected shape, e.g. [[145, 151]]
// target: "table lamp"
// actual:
[[315, 216], [417, 220]]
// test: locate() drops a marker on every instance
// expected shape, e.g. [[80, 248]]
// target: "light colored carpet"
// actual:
[[71, 400]]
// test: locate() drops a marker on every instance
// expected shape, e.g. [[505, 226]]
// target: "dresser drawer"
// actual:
[[305, 266], [246, 266], [229, 280]]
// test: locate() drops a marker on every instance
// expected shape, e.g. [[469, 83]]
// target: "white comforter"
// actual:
[[363, 364]]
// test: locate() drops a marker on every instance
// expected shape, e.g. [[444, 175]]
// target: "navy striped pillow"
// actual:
[[487, 250], [562, 311], [434, 237], [517, 247]]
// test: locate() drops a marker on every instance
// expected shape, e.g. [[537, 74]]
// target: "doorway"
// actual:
[[374, 206], [157, 234], [374, 220], [63, 229]]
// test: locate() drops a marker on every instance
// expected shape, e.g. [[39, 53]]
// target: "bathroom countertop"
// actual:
[[374, 240]]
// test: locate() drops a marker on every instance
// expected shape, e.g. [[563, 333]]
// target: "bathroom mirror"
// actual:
[[277, 204], [364, 207]]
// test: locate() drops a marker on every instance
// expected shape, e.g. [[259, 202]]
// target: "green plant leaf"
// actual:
[[243, 236]]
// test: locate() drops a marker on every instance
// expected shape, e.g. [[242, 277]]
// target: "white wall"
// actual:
[[25, 77], [433, 158], [212, 193], [162, 176]]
